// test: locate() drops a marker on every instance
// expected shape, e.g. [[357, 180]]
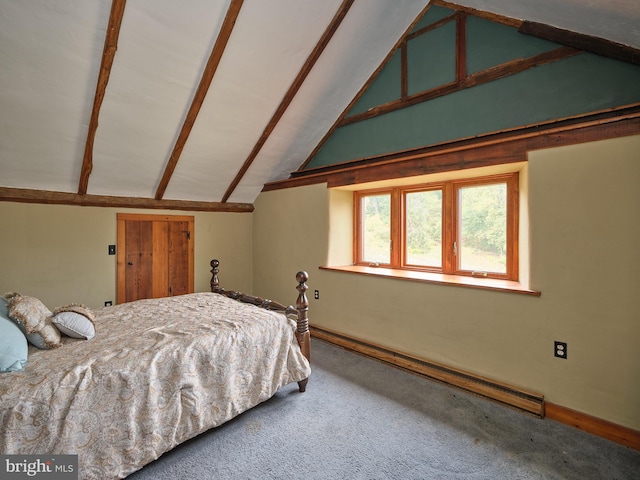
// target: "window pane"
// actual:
[[483, 228], [424, 228], [376, 228]]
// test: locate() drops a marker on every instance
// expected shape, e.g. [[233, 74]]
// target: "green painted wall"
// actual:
[[577, 85], [432, 59], [490, 44], [385, 88]]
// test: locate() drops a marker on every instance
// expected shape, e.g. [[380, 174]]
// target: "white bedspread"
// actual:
[[157, 373]]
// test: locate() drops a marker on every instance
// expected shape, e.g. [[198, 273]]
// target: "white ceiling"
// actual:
[[50, 53]]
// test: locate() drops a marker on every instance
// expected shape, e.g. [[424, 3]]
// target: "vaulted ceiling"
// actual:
[[199, 103]]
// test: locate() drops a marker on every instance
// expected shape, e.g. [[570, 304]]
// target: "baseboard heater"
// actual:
[[527, 401]]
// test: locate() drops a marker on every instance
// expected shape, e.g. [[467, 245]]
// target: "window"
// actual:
[[460, 227]]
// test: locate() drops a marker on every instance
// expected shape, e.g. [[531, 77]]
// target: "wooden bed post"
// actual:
[[302, 332], [215, 283]]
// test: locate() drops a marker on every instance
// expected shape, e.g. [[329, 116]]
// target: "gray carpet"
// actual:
[[361, 419]]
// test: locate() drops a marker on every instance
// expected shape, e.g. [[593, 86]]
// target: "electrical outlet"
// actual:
[[316, 294], [108, 303], [560, 349]]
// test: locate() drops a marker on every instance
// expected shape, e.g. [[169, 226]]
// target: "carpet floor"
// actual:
[[361, 419]]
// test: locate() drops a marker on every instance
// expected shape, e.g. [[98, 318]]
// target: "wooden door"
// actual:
[[155, 256]]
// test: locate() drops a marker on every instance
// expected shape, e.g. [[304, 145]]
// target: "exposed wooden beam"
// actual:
[[505, 145], [431, 26], [461, 47], [203, 87], [108, 54], [404, 77], [588, 43], [518, 65], [21, 195], [489, 75], [489, 149], [291, 93], [401, 42]]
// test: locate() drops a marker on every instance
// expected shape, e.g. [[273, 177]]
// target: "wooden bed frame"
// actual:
[[301, 310]]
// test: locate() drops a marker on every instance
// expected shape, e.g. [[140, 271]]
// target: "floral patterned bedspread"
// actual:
[[157, 373]]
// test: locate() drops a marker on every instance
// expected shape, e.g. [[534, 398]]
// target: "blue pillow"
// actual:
[[13, 343]]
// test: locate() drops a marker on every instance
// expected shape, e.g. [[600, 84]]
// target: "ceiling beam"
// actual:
[[487, 149], [23, 195], [490, 74], [108, 54], [587, 43], [291, 93], [207, 76]]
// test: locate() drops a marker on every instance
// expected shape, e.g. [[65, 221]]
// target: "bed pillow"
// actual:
[[13, 344], [34, 319], [76, 321]]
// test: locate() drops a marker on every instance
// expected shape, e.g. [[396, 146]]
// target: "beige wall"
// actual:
[[584, 232], [59, 253], [584, 211]]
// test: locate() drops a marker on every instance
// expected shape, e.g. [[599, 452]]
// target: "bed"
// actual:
[[156, 373]]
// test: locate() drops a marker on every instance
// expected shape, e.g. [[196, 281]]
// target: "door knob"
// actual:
[[129, 263]]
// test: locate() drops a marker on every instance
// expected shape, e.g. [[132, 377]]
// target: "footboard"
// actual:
[[301, 310]]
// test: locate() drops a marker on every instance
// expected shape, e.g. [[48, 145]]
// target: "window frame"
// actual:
[[450, 225]]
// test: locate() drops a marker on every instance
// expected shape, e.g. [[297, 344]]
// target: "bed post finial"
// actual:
[[302, 332], [215, 283]]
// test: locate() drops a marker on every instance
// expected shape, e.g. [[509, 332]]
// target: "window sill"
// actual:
[[439, 278]]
